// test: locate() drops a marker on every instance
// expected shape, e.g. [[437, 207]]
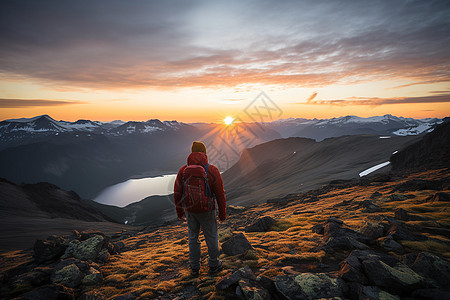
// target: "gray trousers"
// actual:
[[208, 223]]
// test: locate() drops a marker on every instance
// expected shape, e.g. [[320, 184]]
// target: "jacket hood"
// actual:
[[197, 158]]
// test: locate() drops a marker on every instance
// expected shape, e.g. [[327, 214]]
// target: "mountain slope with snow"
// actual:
[[350, 125]]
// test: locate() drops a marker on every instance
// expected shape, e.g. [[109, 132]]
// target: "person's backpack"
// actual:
[[197, 195]]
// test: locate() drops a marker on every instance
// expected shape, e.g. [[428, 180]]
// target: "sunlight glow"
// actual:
[[228, 120]]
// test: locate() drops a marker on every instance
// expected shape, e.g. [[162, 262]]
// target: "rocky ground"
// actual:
[[383, 237]]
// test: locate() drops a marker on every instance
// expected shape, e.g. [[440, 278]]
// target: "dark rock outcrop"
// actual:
[[49, 249], [382, 270], [261, 225], [435, 269], [234, 278], [238, 244], [336, 237]]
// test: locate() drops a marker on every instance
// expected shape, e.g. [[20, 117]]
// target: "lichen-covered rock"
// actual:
[[69, 276], [82, 265], [89, 249], [235, 245], [92, 277], [375, 293], [310, 286], [103, 255], [395, 278]]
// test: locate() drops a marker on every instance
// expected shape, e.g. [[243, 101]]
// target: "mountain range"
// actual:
[[87, 156], [382, 236]]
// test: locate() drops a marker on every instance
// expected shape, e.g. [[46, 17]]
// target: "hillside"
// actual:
[[292, 165], [433, 151], [382, 237], [32, 211]]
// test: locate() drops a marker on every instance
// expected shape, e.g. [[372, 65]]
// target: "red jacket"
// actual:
[[214, 180]]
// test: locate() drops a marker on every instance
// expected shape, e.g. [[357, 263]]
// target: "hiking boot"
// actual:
[[216, 269], [195, 272]]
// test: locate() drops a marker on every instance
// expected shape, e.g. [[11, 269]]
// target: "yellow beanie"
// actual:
[[198, 147]]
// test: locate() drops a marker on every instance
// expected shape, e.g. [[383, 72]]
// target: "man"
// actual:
[[194, 197]]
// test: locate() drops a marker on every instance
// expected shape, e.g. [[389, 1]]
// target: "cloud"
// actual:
[[310, 98], [169, 44], [375, 101], [20, 103]]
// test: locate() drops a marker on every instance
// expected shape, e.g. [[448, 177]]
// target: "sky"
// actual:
[[200, 61]]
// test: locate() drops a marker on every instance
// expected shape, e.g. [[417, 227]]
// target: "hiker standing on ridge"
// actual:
[[197, 185]]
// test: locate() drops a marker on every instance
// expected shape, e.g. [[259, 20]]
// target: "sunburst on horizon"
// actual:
[[228, 120]]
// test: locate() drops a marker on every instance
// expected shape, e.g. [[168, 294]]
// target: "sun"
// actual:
[[228, 120]]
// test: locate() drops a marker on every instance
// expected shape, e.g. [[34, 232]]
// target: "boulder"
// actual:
[[233, 278], [237, 244], [266, 283], [310, 286], [351, 269], [69, 276], [252, 291], [35, 277], [86, 250], [400, 233], [337, 237], [261, 225], [394, 278], [50, 249], [369, 207], [82, 265], [433, 268], [50, 292], [92, 277], [103, 255], [389, 244], [369, 268], [343, 243], [375, 293], [372, 231]]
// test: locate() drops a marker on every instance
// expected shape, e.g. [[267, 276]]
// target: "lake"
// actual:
[[134, 190]]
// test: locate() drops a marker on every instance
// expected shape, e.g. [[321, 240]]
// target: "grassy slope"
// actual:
[[160, 263]]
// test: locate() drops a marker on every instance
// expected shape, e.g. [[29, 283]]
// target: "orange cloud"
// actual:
[[375, 101], [20, 103]]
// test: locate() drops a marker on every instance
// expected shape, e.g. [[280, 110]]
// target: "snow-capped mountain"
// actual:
[[350, 125], [19, 130]]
